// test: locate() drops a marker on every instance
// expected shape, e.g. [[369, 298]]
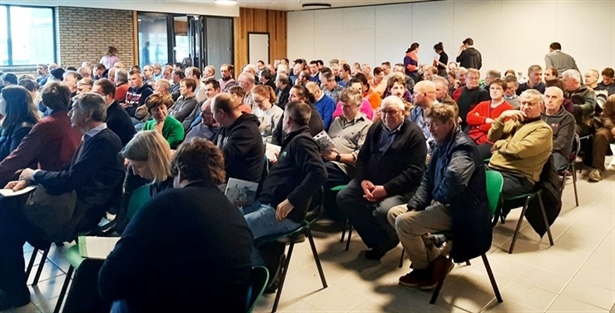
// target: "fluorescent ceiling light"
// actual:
[[226, 1]]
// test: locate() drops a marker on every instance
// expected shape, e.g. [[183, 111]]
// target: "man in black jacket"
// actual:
[[282, 91], [389, 169], [117, 119], [94, 173], [452, 196], [243, 154], [468, 56], [291, 182]]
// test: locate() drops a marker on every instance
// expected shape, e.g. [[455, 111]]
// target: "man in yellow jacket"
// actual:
[[522, 144]]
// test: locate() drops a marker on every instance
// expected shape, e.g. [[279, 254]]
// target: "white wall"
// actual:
[[509, 33]]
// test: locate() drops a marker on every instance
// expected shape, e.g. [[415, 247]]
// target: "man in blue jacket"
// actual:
[[452, 197]]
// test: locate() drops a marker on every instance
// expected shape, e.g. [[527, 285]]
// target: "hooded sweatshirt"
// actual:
[[470, 58], [136, 97], [563, 125]]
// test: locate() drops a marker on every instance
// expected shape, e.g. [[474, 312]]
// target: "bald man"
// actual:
[[563, 125], [389, 169], [424, 98]]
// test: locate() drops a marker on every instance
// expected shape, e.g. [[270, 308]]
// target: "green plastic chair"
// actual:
[[260, 277], [494, 182], [137, 199]]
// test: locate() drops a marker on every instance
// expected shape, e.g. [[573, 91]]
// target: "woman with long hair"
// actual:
[[268, 114], [149, 155], [20, 116], [440, 62], [109, 59]]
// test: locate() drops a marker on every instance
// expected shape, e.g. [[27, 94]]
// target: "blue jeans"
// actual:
[[262, 221]]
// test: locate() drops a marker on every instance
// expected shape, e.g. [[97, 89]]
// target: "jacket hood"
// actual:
[[472, 51]]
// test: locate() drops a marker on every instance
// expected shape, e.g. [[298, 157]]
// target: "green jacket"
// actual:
[[172, 130]]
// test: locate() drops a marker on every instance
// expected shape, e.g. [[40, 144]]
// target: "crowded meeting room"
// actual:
[[307, 156]]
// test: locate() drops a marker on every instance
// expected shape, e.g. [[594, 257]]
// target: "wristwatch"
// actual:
[[338, 157]]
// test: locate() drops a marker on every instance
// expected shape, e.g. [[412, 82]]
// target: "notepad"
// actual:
[[92, 247], [11, 193], [241, 192], [272, 151]]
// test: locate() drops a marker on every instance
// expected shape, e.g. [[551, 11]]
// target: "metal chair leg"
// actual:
[[69, 275], [436, 292], [544, 217], [512, 244], [492, 278], [401, 259], [574, 184], [31, 262], [308, 233], [468, 263], [41, 264], [344, 230], [283, 276], [349, 237]]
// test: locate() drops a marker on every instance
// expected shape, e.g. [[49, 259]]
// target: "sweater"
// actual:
[[203, 238], [476, 119], [467, 99], [120, 92], [182, 108], [563, 126], [172, 130], [373, 98], [411, 64], [50, 145], [243, 148], [521, 148], [120, 123], [297, 175], [366, 108], [400, 168], [325, 107], [136, 97]]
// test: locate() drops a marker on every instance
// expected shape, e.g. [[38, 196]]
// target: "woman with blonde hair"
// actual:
[[268, 114], [148, 155]]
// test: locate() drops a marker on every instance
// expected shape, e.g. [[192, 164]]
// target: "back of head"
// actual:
[[441, 112], [121, 75], [56, 96], [29, 84], [299, 112], [92, 105], [555, 46], [19, 107], [10, 78], [224, 102], [468, 41], [438, 47], [199, 160], [238, 91], [107, 87], [151, 147]]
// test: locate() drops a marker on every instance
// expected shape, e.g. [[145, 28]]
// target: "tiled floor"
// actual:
[[575, 275]]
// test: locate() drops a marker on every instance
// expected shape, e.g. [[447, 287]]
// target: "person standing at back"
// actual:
[[468, 56], [560, 60]]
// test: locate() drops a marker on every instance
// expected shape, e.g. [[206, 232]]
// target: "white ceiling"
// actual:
[[296, 5]]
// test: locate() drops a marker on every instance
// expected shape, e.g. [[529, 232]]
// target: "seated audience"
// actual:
[[288, 188], [238, 94], [209, 242], [163, 87], [268, 114], [607, 82], [452, 197], [390, 165], [510, 93], [186, 103], [583, 101], [117, 119], [93, 175], [371, 96], [396, 86], [85, 85], [490, 77], [137, 94], [121, 85], [323, 104], [301, 94], [424, 98], [534, 80], [366, 107], [348, 133], [480, 118], [522, 144], [330, 87], [207, 126], [563, 127], [51, 143], [237, 138], [603, 136], [20, 116], [226, 81], [170, 128], [442, 95], [468, 96], [282, 91]]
